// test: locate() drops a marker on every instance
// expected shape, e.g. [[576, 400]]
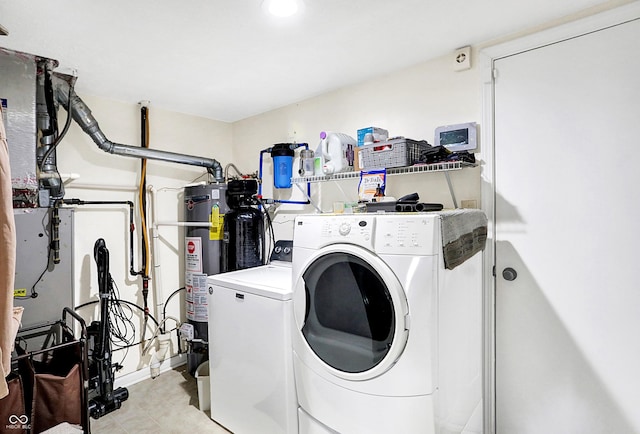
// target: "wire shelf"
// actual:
[[418, 168]]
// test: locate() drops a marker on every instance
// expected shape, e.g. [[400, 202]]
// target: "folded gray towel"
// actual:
[[464, 233]]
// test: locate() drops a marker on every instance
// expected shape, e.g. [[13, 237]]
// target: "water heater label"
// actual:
[[217, 223], [197, 297], [193, 254]]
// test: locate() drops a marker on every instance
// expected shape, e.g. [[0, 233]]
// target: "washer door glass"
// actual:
[[350, 321]]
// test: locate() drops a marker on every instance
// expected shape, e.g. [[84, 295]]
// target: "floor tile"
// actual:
[[167, 404]]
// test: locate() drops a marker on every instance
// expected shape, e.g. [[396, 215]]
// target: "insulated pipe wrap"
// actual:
[[83, 117]]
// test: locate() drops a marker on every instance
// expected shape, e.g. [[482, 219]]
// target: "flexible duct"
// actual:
[[83, 117]]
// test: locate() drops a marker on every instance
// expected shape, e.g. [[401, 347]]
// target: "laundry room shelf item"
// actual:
[[419, 168], [444, 167]]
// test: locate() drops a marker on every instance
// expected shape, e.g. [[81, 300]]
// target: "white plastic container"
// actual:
[[204, 386], [334, 150]]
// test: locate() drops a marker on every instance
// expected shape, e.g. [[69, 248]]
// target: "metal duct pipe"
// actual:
[[47, 125], [83, 117]]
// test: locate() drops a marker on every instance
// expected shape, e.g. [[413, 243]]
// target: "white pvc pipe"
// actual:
[[187, 224], [103, 187], [156, 281], [65, 177]]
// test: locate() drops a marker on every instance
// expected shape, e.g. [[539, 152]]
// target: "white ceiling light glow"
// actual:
[[282, 8]]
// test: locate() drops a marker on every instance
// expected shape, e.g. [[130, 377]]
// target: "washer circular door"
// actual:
[[353, 312]]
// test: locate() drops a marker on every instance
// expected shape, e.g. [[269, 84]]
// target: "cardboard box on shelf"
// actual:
[[379, 134]]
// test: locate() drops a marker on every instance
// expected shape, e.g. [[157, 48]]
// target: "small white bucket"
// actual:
[[204, 386]]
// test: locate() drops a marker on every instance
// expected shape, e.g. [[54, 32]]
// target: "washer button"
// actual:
[[344, 228]]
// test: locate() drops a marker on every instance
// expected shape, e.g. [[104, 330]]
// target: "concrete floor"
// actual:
[[167, 404]]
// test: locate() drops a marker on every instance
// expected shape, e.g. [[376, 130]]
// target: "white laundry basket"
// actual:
[[204, 386]]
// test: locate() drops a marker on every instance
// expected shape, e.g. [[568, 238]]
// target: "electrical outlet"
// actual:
[[471, 203], [187, 332], [462, 59]]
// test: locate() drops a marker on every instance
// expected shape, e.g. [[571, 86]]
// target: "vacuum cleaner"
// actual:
[[103, 399]]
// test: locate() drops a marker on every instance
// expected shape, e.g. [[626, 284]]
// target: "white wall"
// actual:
[[410, 103], [109, 177]]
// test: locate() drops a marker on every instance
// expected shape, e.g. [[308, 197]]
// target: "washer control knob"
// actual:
[[344, 228]]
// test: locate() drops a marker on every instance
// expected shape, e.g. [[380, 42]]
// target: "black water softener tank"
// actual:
[[243, 241]]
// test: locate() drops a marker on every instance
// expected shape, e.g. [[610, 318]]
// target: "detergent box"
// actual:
[[379, 134]]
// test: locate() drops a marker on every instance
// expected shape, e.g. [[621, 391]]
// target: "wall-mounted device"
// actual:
[[459, 137], [462, 59]]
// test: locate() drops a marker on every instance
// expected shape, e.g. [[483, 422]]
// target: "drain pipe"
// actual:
[[67, 97]]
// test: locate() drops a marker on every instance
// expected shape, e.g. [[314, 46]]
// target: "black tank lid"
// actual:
[[282, 150], [242, 187]]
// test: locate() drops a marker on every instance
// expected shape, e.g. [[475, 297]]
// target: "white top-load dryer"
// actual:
[[386, 339], [250, 358]]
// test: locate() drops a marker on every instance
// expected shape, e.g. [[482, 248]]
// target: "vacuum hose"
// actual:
[[83, 117]]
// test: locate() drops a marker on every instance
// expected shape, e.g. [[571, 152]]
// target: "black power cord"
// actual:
[[118, 300], [269, 226], [164, 308]]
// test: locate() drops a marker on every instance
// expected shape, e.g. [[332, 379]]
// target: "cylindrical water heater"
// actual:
[[203, 249]]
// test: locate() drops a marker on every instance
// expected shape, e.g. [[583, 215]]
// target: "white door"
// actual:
[[567, 209]]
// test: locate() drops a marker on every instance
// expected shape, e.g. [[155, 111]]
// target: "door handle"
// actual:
[[509, 274]]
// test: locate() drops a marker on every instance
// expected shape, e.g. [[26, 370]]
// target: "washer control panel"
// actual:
[[387, 233], [317, 231], [407, 235], [353, 229]]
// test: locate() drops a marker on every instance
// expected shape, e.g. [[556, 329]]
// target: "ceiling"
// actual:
[[228, 60]]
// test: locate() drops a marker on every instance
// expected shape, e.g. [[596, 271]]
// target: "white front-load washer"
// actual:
[[250, 358], [368, 296]]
